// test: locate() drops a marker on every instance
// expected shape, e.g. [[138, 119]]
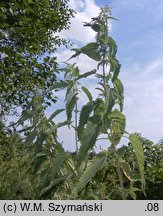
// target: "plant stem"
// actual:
[[104, 80], [119, 173], [76, 124]]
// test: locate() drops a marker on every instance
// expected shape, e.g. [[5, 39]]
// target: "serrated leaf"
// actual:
[[56, 126], [138, 148], [119, 86], [115, 67], [84, 116], [89, 73], [58, 85], [112, 46], [89, 136], [93, 166], [99, 106], [87, 92], [118, 123], [55, 113], [39, 142], [119, 90], [57, 163], [111, 98], [91, 50], [49, 173], [71, 100], [40, 158], [50, 187]]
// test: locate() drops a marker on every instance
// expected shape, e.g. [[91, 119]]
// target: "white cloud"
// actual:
[[144, 101], [86, 9]]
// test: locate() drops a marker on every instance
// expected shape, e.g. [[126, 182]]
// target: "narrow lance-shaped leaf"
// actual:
[[137, 146], [87, 92], [47, 190], [93, 166], [89, 73], [57, 163], [119, 90], [114, 67], [58, 85], [111, 99], [89, 136], [39, 159], [39, 142], [71, 100], [55, 113], [112, 46], [50, 174], [84, 116]]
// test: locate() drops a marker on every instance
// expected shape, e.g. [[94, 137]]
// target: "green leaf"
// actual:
[[89, 136], [59, 85], [96, 27], [91, 50], [56, 126], [52, 185], [111, 99], [112, 46], [110, 17], [118, 123], [99, 107], [138, 148], [55, 113], [87, 92], [114, 67], [119, 90], [130, 174], [39, 142], [93, 166], [86, 74], [49, 172], [78, 52], [57, 163], [132, 191], [71, 100], [84, 116], [118, 86], [40, 158]]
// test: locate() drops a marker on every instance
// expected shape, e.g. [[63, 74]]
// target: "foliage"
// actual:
[[153, 165], [34, 164], [104, 115], [27, 40]]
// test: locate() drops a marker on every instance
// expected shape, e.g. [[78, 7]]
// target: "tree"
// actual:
[[27, 40]]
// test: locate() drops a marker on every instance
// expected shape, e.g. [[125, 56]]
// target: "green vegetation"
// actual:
[[27, 40], [34, 164]]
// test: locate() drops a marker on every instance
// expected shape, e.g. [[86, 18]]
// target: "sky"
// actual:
[[139, 37]]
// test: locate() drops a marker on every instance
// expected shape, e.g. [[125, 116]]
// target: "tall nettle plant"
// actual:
[[104, 115]]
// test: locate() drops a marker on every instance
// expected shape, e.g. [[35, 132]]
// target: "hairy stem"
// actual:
[[104, 79], [119, 173], [76, 124]]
